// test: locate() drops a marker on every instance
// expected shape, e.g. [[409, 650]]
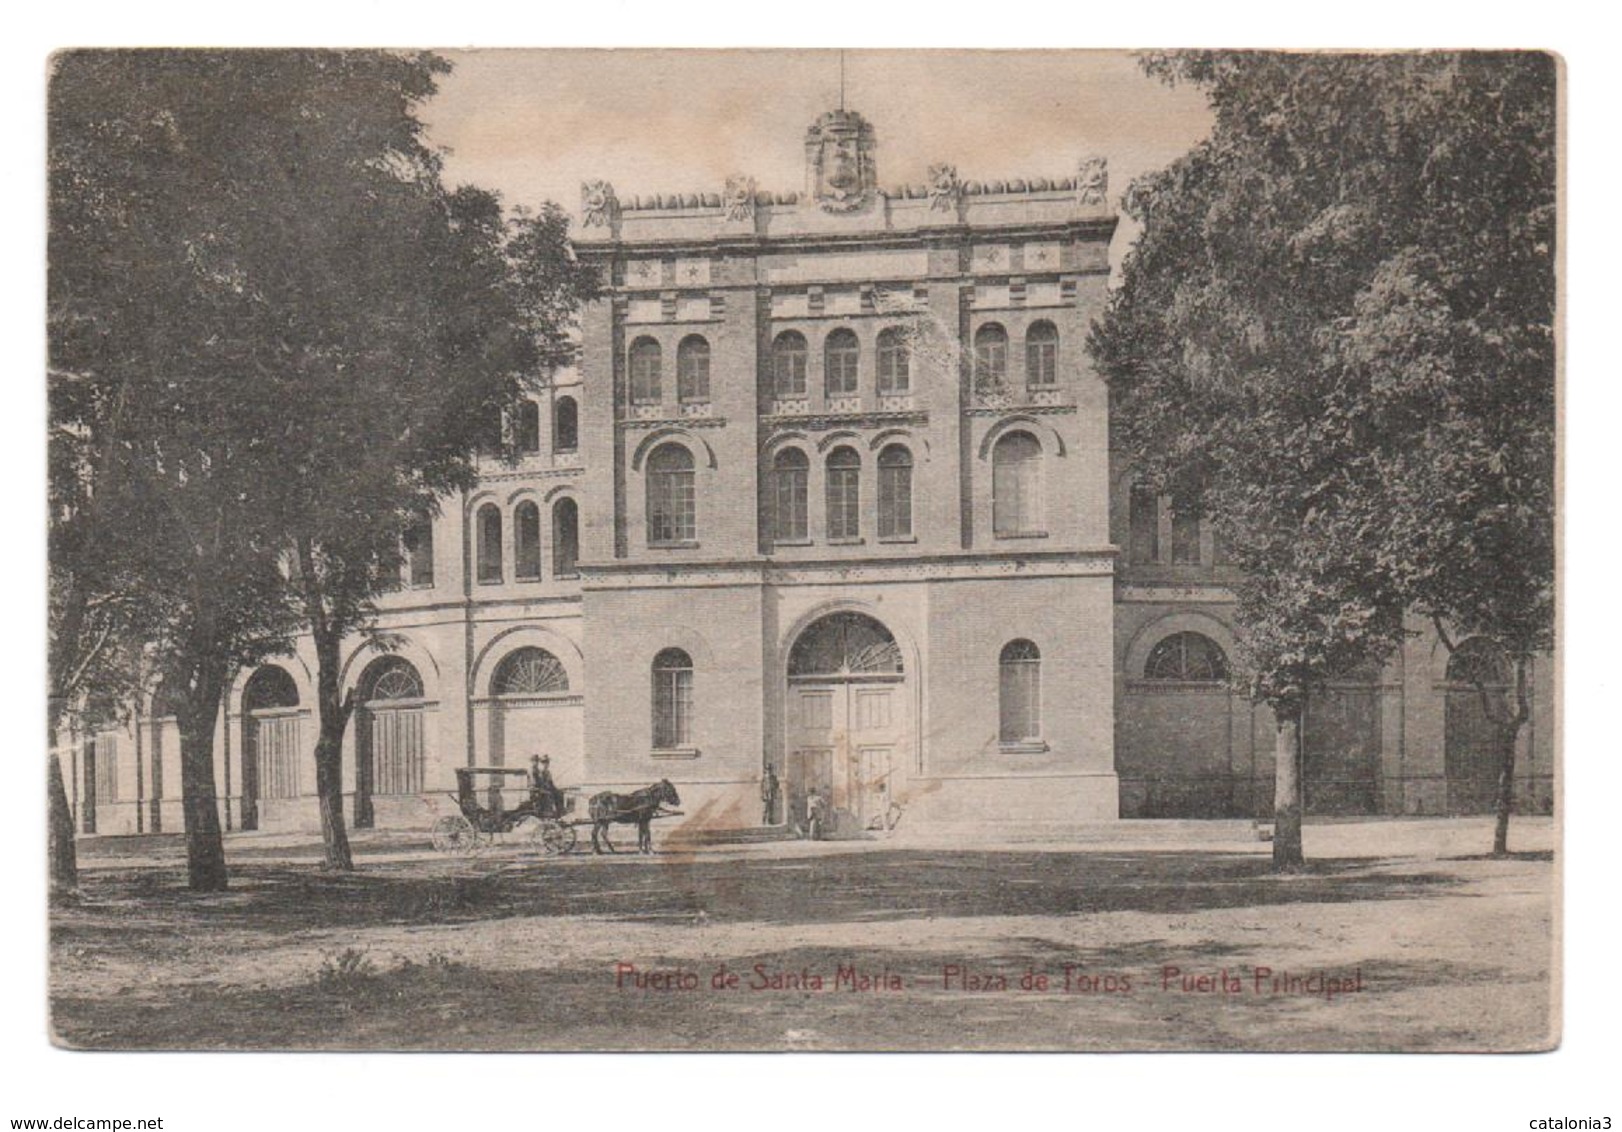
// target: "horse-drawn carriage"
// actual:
[[543, 819], [540, 819]]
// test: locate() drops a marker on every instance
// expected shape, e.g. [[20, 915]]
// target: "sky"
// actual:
[[535, 124]]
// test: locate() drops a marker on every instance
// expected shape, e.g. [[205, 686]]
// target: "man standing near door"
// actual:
[[768, 796]]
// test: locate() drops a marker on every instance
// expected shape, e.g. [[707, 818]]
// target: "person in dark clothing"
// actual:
[[543, 792], [768, 797]]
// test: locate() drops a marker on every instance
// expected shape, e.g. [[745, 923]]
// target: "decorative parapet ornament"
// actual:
[[944, 188], [839, 169], [1092, 181], [597, 204], [739, 199]]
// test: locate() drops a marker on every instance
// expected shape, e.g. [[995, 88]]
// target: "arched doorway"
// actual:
[[534, 711], [390, 757], [270, 740], [1478, 681], [847, 723]]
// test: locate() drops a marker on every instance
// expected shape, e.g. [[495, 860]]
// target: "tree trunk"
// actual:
[[329, 786], [1509, 735], [205, 846], [1287, 852], [329, 753], [63, 854]]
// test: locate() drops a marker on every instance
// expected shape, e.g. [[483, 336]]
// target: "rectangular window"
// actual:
[[788, 372], [673, 708], [107, 769], [419, 554], [1021, 696], [844, 503], [1016, 502], [895, 501], [1145, 520], [1042, 363], [788, 505], [670, 517], [895, 377], [1185, 538], [645, 377], [693, 376], [842, 371]]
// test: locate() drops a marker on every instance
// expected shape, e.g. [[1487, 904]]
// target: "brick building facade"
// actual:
[[830, 491]]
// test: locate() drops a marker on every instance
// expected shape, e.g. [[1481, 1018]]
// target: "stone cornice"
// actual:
[[821, 422], [949, 234], [1019, 407], [1092, 563], [671, 422], [1211, 594]]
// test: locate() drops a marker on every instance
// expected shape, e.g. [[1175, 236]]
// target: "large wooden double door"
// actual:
[[844, 739]]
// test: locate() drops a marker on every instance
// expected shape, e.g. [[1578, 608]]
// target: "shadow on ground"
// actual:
[[883, 885]]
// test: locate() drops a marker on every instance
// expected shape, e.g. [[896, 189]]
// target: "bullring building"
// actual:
[[830, 491]]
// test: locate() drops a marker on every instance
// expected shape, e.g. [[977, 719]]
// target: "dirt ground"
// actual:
[[1401, 935]]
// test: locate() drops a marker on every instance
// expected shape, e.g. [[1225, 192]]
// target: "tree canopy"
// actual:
[[1335, 336], [281, 330]]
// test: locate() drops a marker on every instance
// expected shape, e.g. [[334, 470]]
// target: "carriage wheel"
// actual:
[[455, 835], [557, 838]]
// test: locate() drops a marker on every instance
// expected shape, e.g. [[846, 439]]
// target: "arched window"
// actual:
[[489, 538], [418, 543], [788, 364], [895, 363], [565, 539], [841, 355], [844, 646], [529, 671], [527, 541], [645, 363], [1019, 692], [270, 687], [790, 477], [895, 492], [391, 678], [528, 432], [1016, 485], [565, 425], [693, 370], [1187, 657], [990, 356], [844, 493], [671, 502], [672, 700], [1042, 354], [1480, 660]]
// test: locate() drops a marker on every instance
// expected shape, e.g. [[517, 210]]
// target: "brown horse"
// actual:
[[641, 807]]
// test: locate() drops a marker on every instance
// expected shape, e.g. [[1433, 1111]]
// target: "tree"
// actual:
[[161, 454], [374, 322], [1335, 335], [408, 352]]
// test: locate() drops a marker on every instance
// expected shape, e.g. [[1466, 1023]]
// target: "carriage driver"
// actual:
[[541, 786]]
